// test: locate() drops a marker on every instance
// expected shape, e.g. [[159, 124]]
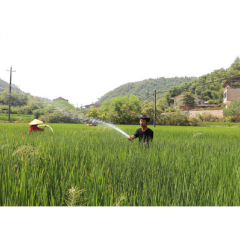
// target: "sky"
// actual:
[[80, 50]]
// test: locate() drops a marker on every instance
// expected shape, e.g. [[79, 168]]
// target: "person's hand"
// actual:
[[130, 138], [45, 125]]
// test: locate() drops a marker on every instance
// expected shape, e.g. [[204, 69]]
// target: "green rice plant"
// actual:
[[97, 166]]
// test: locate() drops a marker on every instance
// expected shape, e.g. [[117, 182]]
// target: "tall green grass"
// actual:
[[96, 166], [15, 117]]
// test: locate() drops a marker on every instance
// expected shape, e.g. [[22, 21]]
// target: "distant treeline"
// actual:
[[144, 88]]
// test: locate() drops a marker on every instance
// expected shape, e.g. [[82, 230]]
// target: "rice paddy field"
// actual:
[[97, 166], [16, 117]]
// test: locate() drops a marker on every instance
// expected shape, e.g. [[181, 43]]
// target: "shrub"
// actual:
[[199, 116], [62, 117], [227, 119], [211, 101], [194, 121], [165, 119], [179, 119], [208, 117], [175, 118], [36, 113]]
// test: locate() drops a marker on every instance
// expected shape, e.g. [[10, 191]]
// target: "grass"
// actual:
[[222, 124], [15, 117], [96, 166]]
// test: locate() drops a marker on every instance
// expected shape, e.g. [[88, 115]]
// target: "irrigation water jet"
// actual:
[[114, 127], [46, 125], [81, 118], [197, 134]]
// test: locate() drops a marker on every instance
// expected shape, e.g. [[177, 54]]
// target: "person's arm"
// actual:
[[135, 135], [131, 137], [42, 129]]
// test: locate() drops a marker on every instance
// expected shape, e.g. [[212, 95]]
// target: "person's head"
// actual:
[[144, 120]]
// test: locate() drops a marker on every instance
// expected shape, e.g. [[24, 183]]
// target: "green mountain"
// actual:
[[144, 88], [5, 86]]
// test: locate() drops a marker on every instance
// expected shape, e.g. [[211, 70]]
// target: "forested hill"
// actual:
[[144, 88], [4, 86], [209, 86]]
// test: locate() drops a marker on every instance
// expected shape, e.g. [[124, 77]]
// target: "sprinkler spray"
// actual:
[[47, 126]]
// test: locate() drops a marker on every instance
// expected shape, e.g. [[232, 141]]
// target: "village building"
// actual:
[[60, 98], [232, 90], [200, 103], [91, 105]]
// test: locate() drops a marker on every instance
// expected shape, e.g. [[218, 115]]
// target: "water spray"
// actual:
[[46, 125], [82, 118], [109, 125], [197, 134]]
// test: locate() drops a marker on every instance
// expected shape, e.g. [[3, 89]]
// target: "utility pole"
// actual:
[[154, 120], [9, 99]]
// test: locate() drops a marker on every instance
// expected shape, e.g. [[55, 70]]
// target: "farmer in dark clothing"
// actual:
[[144, 133]]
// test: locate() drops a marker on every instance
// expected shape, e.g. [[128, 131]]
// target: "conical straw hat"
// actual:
[[35, 122]]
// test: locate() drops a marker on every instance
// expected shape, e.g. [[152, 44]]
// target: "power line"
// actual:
[[187, 87]]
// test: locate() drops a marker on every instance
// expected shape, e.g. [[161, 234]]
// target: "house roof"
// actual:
[[60, 98], [91, 105], [181, 94], [226, 87]]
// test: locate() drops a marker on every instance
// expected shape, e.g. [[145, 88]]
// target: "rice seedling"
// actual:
[[178, 169]]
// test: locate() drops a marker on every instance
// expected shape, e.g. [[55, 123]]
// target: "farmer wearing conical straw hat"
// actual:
[[34, 126]]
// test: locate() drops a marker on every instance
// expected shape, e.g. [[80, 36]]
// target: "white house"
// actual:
[[178, 102], [232, 90]]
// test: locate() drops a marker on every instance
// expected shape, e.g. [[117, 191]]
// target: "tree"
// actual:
[[36, 113], [162, 104], [148, 109], [233, 110], [120, 109], [188, 100], [92, 113], [50, 107], [17, 99]]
